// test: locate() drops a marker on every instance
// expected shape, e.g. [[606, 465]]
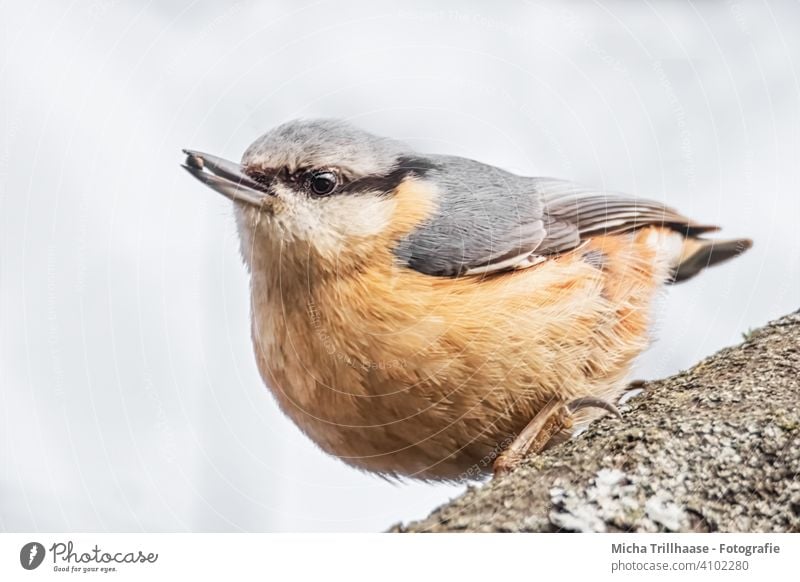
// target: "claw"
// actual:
[[553, 417], [592, 402]]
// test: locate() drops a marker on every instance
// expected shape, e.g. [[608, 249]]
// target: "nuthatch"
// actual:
[[432, 316]]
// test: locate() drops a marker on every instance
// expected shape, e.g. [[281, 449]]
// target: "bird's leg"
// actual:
[[547, 422], [552, 418]]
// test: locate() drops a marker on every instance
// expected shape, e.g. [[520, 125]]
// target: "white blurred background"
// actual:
[[130, 399]]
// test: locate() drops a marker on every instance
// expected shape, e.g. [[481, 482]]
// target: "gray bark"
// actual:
[[714, 448]]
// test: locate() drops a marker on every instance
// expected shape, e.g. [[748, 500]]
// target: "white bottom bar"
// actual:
[[412, 557]]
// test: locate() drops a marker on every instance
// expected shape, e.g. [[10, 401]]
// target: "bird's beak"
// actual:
[[227, 178]]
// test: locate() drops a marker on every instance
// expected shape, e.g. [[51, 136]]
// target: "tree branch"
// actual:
[[714, 448]]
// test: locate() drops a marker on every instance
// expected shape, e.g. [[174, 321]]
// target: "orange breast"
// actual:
[[402, 373]]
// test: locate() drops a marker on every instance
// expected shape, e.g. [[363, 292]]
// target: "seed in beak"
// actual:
[[194, 161]]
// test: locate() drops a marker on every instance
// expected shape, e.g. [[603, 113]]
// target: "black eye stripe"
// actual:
[[405, 167], [265, 177], [301, 178]]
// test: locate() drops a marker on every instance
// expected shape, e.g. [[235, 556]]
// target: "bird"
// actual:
[[433, 317]]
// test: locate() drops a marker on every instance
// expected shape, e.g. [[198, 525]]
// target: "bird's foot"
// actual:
[[632, 390], [549, 421]]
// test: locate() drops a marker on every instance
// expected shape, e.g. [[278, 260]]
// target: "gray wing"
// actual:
[[492, 220]]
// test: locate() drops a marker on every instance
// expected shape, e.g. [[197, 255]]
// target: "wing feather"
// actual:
[[490, 220]]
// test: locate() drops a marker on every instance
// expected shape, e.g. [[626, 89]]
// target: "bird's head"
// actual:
[[320, 189]]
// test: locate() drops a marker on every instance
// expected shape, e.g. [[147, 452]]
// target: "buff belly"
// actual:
[[438, 389]]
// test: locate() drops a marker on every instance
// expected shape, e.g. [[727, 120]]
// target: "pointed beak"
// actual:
[[227, 178]]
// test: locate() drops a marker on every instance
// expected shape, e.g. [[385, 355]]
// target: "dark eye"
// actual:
[[322, 182]]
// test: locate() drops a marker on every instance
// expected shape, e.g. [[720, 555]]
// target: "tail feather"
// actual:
[[699, 253]]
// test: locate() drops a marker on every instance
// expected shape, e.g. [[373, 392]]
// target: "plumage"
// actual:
[[413, 322], [492, 220]]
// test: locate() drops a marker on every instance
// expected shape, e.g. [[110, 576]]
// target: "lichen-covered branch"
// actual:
[[715, 448]]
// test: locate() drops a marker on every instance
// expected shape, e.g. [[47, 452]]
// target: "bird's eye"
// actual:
[[322, 182]]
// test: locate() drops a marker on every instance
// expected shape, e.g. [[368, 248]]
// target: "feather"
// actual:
[[491, 220]]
